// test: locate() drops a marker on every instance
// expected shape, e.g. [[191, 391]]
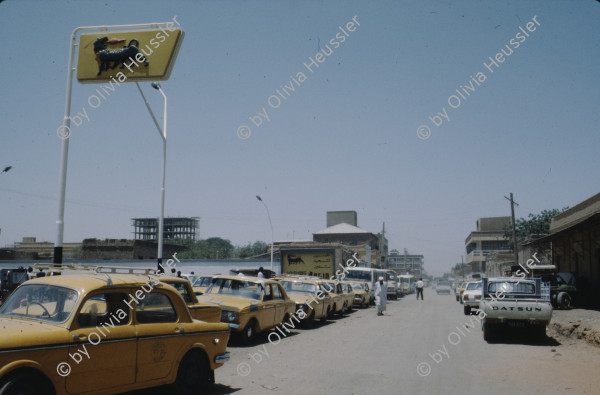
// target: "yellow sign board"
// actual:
[[308, 263], [121, 56]]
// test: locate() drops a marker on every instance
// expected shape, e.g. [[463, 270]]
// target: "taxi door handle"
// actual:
[[179, 330], [79, 337]]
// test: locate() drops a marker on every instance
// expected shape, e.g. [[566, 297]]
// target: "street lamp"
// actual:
[[6, 169], [163, 135], [270, 223]]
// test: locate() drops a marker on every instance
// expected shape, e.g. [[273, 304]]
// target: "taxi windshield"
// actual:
[[294, 286], [44, 302], [329, 287], [359, 275], [241, 288], [357, 286], [202, 282]]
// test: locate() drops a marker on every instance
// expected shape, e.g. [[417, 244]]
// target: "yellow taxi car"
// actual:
[[208, 312], [348, 294], [340, 301], [309, 297], [249, 304], [362, 293], [104, 333], [201, 284]]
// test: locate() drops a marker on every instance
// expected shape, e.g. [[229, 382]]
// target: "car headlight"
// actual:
[[229, 316]]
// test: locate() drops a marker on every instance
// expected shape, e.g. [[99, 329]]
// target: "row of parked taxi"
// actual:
[[61, 332], [250, 304]]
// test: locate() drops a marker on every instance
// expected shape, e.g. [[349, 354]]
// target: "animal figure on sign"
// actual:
[[295, 261], [110, 59]]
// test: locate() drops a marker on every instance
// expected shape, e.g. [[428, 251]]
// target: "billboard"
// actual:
[[309, 263], [121, 56]]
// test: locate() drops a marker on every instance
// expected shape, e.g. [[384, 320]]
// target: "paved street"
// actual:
[[362, 353]]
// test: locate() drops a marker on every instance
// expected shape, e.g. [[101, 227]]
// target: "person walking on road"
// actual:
[[380, 296], [420, 285]]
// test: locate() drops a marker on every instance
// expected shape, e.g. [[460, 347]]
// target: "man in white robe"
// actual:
[[380, 296]]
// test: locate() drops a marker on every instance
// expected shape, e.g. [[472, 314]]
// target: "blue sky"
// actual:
[[345, 139]]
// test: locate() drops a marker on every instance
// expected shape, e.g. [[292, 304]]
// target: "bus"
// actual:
[[363, 274]]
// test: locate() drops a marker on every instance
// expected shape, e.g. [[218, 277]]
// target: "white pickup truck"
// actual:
[[513, 302]]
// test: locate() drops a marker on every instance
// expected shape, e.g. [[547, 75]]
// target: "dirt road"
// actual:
[[418, 347]]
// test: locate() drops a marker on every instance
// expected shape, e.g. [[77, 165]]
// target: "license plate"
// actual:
[[516, 324]]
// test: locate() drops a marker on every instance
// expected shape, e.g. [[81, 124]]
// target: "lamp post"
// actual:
[[270, 223], [163, 135]]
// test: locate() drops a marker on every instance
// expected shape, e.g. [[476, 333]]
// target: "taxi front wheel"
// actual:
[[193, 374], [249, 332]]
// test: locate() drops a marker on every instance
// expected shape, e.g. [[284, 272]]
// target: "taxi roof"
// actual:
[[90, 281], [246, 278]]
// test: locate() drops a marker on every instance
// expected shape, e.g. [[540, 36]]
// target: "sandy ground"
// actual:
[[576, 323], [418, 347]]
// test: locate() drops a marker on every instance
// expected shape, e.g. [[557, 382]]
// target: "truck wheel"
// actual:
[[539, 332], [564, 300], [488, 332], [467, 310], [193, 374]]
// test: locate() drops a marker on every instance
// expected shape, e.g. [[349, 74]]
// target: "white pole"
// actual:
[[64, 156], [271, 224], [164, 174]]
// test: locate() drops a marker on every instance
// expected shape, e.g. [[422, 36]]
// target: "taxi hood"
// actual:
[[19, 333], [228, 302]]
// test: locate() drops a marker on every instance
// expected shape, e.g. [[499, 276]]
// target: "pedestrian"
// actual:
[[260, 273], [380, 296], [420, 288]]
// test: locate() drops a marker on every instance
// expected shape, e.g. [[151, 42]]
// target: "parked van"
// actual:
[[392, 284], [407, 283], [363, 274]]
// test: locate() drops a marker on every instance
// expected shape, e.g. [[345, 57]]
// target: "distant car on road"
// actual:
[[443, 288], [472, 297]]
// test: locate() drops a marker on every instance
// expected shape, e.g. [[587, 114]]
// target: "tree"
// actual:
[[218, 248], [251, 250], [536, 224]]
